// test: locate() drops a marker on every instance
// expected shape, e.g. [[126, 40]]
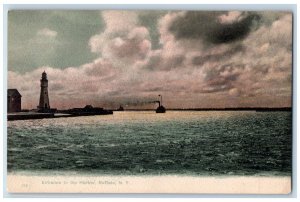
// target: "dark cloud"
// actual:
[[230, 32], [206, 26]]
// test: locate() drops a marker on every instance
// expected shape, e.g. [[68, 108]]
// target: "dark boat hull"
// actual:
[[161, 109], [103, 112]]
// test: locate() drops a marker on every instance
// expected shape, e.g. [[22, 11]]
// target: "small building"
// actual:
[[13, 100]]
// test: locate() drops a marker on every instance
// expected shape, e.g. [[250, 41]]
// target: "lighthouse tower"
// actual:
[[44, 97]]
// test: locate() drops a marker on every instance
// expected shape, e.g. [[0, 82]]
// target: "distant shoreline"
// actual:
[[205, 109], [262, 109]]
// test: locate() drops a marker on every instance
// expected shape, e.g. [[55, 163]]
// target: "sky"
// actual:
[[194, 59]]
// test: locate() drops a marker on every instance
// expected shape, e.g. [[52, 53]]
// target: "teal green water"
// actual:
[[177, 142]]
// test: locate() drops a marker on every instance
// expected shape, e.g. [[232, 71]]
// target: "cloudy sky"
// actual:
[[193, 58]]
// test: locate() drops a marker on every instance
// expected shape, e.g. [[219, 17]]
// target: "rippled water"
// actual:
[[177, 142]]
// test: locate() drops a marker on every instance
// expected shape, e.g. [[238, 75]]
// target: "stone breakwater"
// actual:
[[30, 115]]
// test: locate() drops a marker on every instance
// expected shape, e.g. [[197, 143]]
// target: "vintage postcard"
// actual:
[[140, 101]]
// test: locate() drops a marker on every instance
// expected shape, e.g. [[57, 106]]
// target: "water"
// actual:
[[177, 142]]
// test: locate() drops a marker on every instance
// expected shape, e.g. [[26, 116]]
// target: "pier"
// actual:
[[37, 115], [28, 115]]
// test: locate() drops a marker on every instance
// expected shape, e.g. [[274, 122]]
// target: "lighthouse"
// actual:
[[44, 104]]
